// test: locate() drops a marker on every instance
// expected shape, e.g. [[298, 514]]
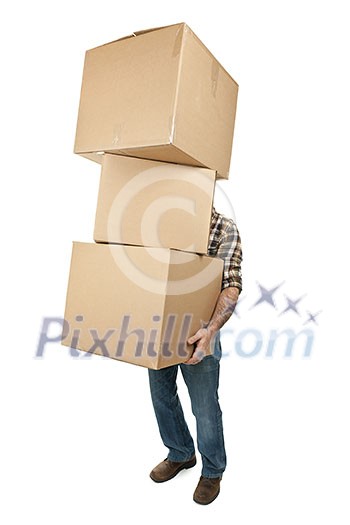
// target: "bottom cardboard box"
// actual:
[[138, 304]]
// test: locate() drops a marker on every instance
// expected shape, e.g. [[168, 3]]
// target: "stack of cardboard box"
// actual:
[[157, 111]]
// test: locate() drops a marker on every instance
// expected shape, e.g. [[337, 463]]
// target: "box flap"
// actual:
[[138, 33], [143, 31]]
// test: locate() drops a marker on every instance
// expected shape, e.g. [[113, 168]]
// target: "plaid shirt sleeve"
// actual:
[[231, 252], [225, 242]]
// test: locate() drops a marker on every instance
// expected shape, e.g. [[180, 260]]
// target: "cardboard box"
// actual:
[[150, 203], [138, 304], [158, 94]]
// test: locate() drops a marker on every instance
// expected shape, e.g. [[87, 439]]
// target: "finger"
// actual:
[[196, 358], [191, 361], [194, 338]]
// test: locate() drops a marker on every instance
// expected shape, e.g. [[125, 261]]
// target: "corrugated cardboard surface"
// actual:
[[128, 92], [206, 107], [148, 203], [159, 95], [144, 303]]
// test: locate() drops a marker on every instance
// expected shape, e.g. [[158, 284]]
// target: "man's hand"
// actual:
[[203, 339]]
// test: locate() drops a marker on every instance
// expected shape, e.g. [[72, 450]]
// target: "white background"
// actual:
[[78, 437]]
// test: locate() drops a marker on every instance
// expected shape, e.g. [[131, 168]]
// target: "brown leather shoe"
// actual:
[[168, 469], [207, 490]]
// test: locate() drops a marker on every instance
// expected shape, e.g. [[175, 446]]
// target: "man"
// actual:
[[201, 375]]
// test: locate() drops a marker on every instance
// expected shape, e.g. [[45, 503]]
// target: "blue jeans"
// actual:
[[202, 381]]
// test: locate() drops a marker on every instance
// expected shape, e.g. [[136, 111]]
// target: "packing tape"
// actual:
[[214, 76]]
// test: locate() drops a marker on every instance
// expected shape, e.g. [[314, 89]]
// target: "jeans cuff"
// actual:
[[180, 459], [212, 475]]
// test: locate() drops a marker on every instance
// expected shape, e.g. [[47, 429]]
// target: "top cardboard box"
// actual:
[[157, 94]]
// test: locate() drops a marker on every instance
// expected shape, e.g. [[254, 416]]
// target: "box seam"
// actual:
[[173, 120], [159, 355]]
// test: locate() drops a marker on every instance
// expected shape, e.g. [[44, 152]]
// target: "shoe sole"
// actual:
[[186, 466], [207, 502]]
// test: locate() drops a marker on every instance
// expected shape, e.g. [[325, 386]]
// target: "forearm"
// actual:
[[204, 337], [224, 308]]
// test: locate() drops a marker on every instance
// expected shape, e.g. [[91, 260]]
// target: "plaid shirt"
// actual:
[[225, 242]]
